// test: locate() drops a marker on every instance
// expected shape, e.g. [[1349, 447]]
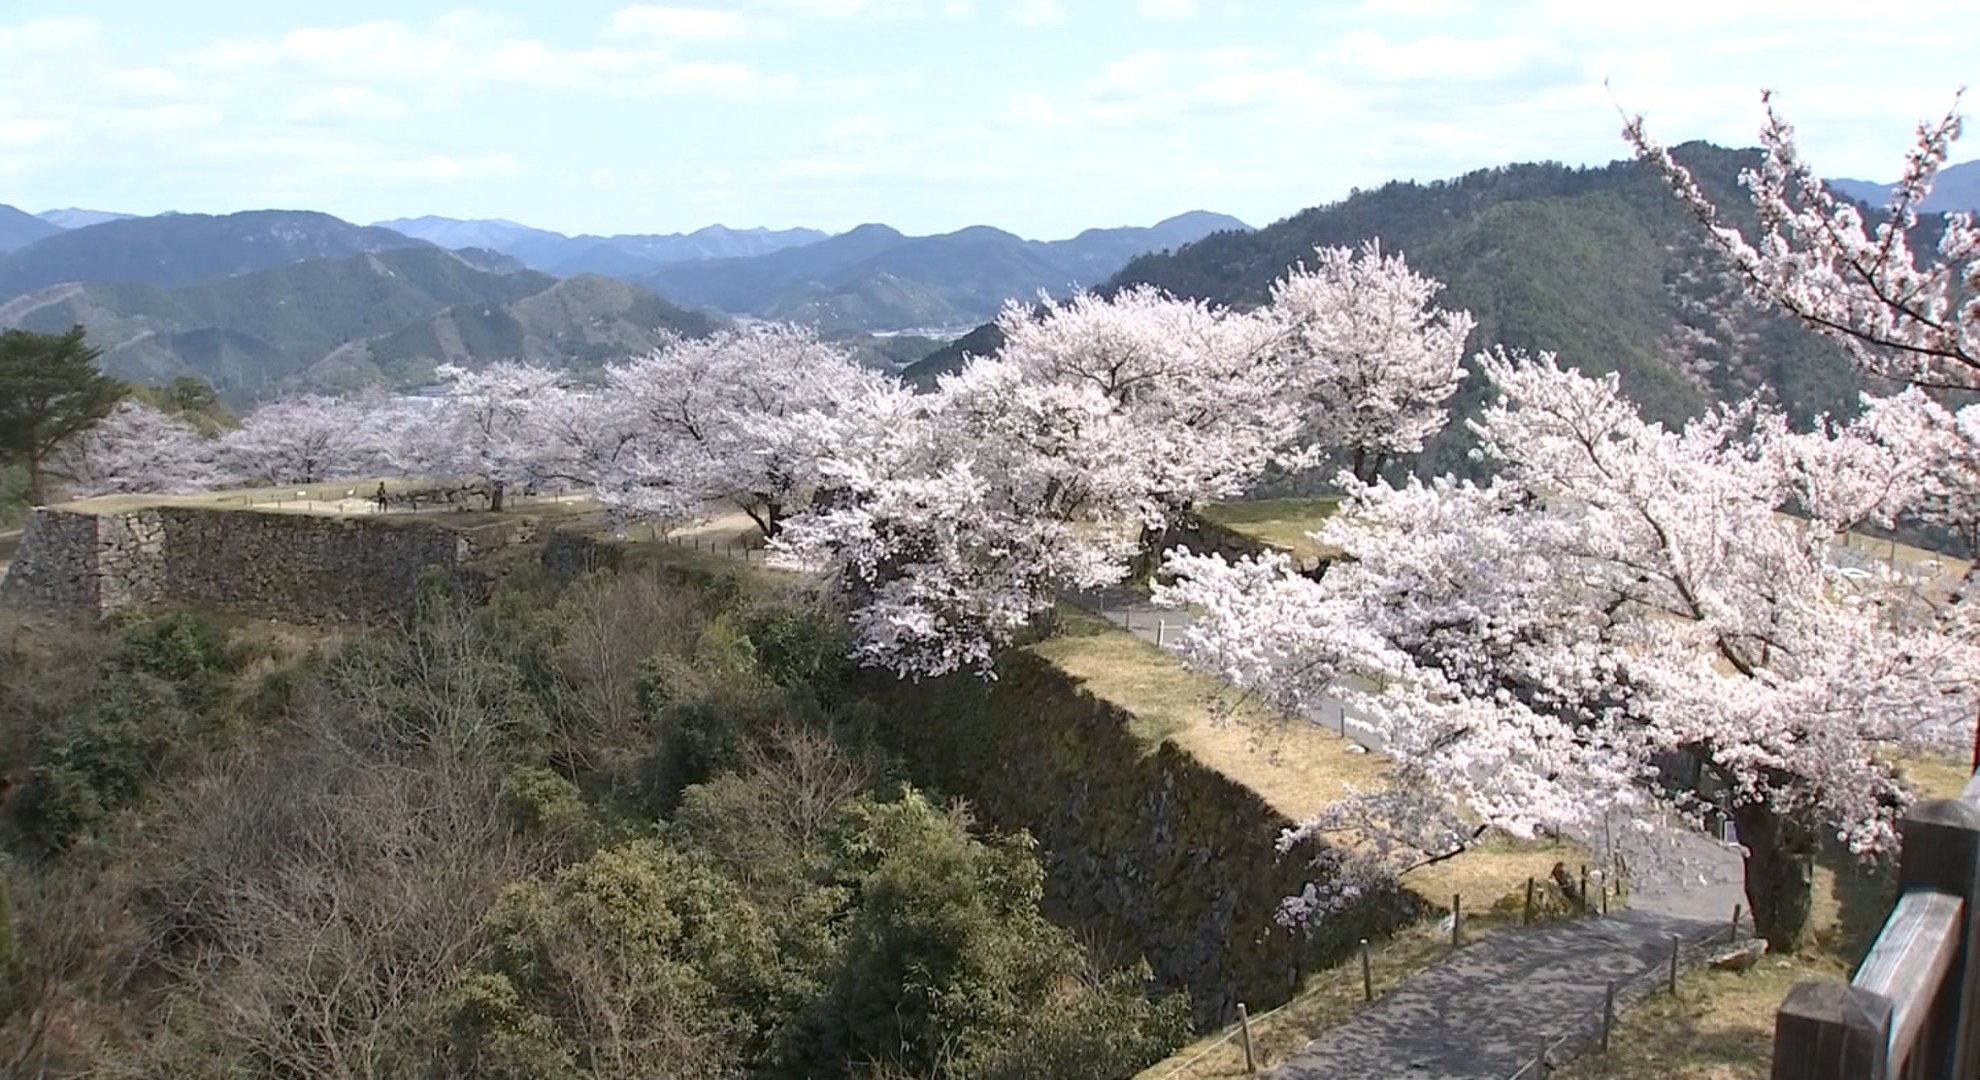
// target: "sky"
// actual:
[[1043, 117]]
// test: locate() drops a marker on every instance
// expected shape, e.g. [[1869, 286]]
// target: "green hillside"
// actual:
[[1600, 265], [582, 322], [253, 334]]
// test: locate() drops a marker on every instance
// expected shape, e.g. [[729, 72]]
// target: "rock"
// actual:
[[1742, 958]]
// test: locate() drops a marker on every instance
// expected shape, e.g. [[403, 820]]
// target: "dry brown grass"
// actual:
[[1935, 777], [1296, 767], [1720, 1026], [1280, 522]]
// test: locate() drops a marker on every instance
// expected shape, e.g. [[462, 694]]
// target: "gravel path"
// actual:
[[1484, 1012]]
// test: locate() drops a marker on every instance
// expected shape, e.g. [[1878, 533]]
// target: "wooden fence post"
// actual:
[[1457, 918], [1527, 918], [1831, 1031], [1608, 1014], [1942, 852], [1676, 943], [1244, 1033], [1367, 974]]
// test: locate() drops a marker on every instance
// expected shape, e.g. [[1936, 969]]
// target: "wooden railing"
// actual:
[[1912, 1012]]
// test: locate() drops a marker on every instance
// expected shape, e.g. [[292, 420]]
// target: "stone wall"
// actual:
[[1145, 846], [55, 564], [290, 566]]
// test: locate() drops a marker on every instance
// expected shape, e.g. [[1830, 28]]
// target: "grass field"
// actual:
[[1282, 523]]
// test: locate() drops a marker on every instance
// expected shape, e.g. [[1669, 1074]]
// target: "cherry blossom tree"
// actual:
[[956, 518], [1815, 257], [484, 428], [1942, 449], [1193, 383], [702, 416], [1367, 361], [137, 448], [1199, 401], [959, 518], [1623, 622], [299, 440]]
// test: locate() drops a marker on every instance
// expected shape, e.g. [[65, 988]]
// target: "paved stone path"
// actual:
[[1484, 1012]]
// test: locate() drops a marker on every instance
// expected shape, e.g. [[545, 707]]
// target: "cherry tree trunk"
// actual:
[[1780, 874]]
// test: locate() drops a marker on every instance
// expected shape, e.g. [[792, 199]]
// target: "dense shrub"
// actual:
[[616, 826]]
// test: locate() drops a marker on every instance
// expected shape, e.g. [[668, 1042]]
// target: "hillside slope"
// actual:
[[875, 278], [581, 322], [625, 255], [1600, 265], [18, 228], [251, 335], [180, 249]]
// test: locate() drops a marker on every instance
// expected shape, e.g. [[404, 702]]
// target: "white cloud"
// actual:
[[1415, 9], [1437, 58], [1168, 9], [347, 103], [1038, 12], [685, 24], [48, 36]]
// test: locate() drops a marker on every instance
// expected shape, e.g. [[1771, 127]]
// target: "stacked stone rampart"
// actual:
[[286, 565]]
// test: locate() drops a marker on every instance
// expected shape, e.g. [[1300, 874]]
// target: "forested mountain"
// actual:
[[18, 228], [873, 277], [180, 249], [582, 322], [626, 255], [1600, 265], [389, 315]]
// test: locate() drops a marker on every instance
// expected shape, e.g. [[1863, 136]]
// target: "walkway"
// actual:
[[1485, 1011]]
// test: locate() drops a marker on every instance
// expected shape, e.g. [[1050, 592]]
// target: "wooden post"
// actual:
[[1605, 901], [1244, 1033], [1457, 918], [1608, 1014], [1942, 851], [1676, 943], [1367, 974], [1527, 918], [1161, 631], [1737, 911], [1581, 898], [1831, 1031]]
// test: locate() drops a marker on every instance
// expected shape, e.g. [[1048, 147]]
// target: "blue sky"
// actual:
[[1039, 116]]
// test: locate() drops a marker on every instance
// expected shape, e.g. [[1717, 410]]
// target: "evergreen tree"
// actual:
[[50, 391]]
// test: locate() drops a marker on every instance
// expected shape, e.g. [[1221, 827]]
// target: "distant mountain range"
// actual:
[[387, 316], [181, 249], [875, 278], [1957, 188], [626, 256], [77, 218], [18, 229]]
